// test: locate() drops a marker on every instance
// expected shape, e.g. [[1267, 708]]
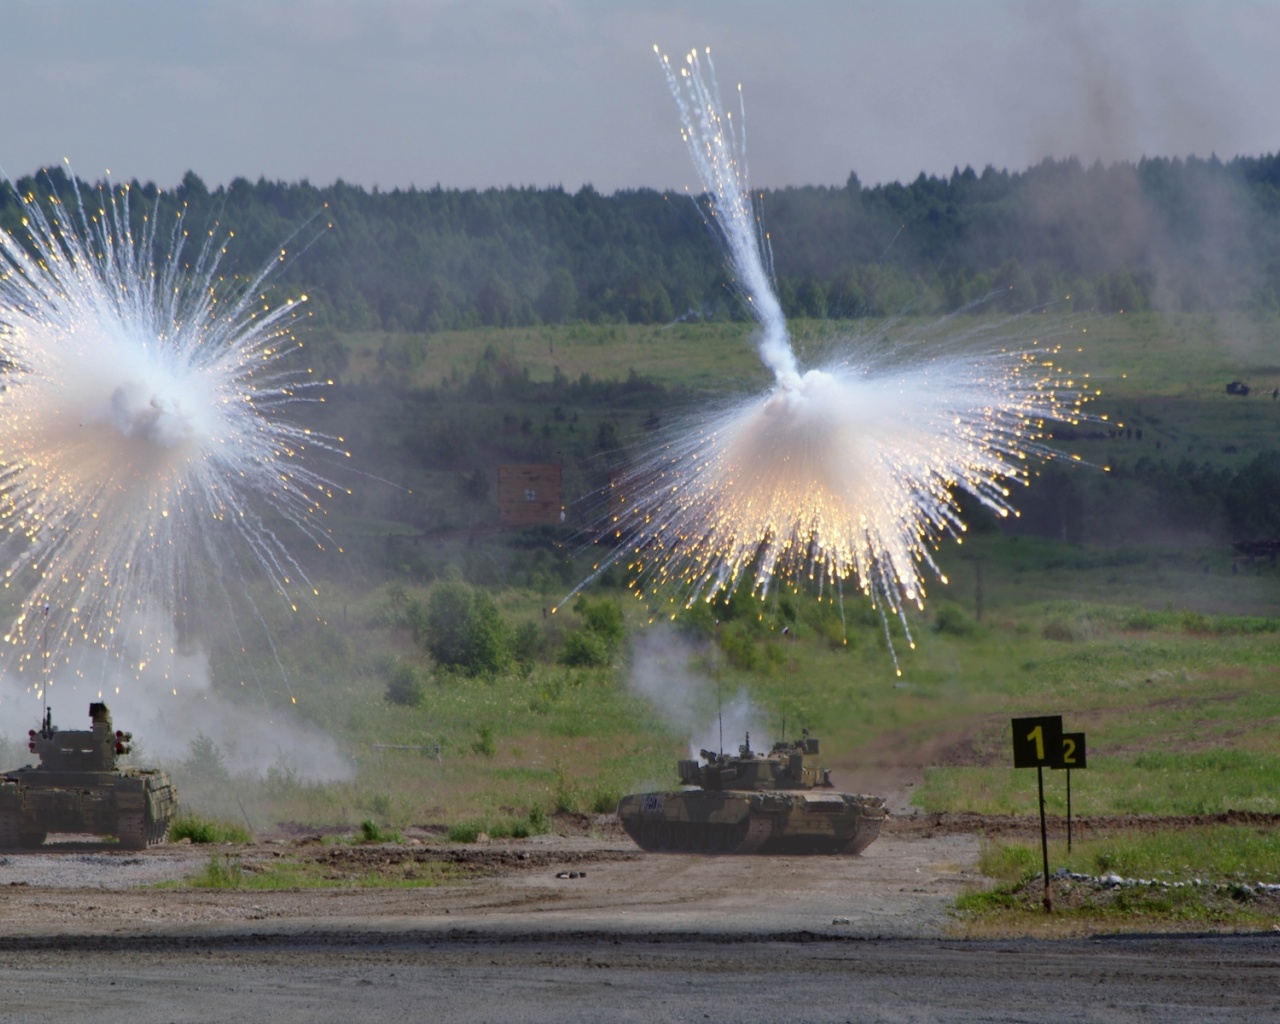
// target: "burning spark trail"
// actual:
[[845, 472], [718, 150], [140, 441]]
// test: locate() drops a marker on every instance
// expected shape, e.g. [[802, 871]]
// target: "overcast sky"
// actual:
[[545, 92]]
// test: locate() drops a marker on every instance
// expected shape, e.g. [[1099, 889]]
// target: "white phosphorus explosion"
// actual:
[[843, 472], [140, 440]]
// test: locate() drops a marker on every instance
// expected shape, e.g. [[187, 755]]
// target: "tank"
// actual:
[[78, 787], [781, 801]]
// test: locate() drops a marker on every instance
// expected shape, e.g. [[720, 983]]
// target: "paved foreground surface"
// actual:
[[340, 975], [569, 929]]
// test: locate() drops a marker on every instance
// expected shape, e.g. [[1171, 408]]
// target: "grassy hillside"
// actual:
[[1164, 649]]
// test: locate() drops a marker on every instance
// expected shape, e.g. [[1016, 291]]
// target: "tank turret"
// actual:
[[79, 787], [786, 766], [782, 800], [79, 750]]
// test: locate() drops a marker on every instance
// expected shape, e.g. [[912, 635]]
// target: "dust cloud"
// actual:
[[167, 701]]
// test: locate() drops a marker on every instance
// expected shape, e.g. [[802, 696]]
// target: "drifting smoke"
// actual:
[[844, 472], [141, 456], [662, 673], [170, 701]]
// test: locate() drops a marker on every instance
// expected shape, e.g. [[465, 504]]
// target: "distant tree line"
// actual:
[[1191, 235]]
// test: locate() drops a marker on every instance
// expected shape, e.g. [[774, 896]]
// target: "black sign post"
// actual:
[[1073, 756], [1037, 743]]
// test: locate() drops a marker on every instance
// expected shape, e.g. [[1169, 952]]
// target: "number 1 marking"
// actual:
[[1037, 734]]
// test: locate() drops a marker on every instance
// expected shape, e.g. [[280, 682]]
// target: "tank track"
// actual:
[[10, 837], [698, 837], [868, 832], [136, 833]]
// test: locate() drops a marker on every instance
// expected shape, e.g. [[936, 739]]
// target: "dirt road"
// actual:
[[582, 929]]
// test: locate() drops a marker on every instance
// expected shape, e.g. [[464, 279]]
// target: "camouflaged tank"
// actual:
[[780, 801], [78, 788]]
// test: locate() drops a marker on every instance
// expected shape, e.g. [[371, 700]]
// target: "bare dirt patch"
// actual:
[[580, 877]]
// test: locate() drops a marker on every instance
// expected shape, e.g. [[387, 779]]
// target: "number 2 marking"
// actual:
[[1068, 750], [1037, 734]]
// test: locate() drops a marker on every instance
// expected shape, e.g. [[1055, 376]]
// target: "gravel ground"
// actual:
[[575, 928]]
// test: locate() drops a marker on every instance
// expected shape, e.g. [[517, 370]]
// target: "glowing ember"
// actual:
[[845, 472], [139, 439]]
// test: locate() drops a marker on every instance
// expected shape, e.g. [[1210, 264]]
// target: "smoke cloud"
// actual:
[[663, 672], [165, 697]]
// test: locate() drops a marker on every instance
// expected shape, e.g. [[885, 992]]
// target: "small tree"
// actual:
[[464, 630], [404, 685]]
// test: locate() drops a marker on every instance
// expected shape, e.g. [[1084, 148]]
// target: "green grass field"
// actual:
[[1166, 654]]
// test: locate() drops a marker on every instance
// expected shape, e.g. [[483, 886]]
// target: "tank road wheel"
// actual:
[[867, 834], [31, 840], [750, 835], [702, 837], [9, 835], [664, 836], [131, 830], [648, 838], [682, 836], [158, 832]]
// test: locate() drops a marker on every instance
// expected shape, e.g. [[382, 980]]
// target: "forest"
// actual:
[[1170, 234], [397, 272]]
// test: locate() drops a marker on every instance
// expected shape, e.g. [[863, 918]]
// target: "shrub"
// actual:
[[464, 630], [204, 760], [404, 685], [565, 795], [202, 830], [604, 619], [951, 619], [372, 832], [1061, 631], [221, 872], [526, 644], [464, 833], [484, 745], [605, 801], [584, 649]]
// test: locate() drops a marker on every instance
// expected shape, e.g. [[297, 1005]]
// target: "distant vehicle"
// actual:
[[1238, 387], [780, 801], [78, 788]]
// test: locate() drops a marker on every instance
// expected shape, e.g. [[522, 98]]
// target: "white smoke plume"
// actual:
[[165, 697], [690, 700]]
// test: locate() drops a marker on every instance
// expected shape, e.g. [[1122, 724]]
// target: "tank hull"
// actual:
[[744, 821], [135, 805]]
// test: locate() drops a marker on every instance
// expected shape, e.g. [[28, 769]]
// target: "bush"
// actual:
[[202, 830], [484, 745], [221, 872], [204, 760], [604, 619], [464, 630], [951, 619], [1063, 632], [464, 833], [605, 801], [526, 645], [584, 649], [372, 832], [404, 685], [738, 647], [599, 639]]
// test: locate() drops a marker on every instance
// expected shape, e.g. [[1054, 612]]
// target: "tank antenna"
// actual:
[[44, 641], [719, 686]]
